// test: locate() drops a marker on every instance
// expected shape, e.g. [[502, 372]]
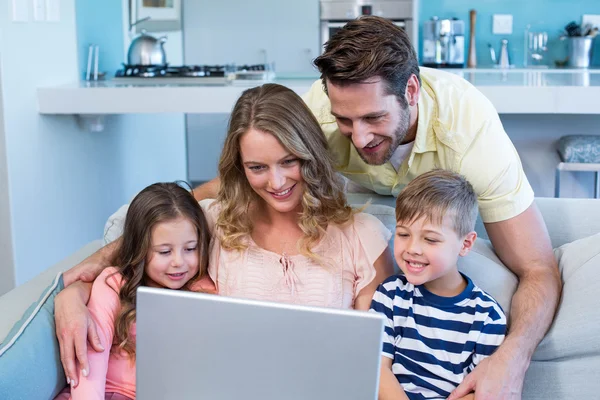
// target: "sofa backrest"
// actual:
[[566, 219]]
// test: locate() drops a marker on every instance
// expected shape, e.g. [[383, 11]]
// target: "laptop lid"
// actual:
[[200, 346]]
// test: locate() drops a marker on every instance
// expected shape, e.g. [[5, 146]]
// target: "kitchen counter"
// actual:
[[513, 91]]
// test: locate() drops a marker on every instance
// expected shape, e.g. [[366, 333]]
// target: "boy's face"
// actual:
[[427, 254]]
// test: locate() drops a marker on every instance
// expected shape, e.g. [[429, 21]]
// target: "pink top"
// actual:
[[259, 274], [110, 372]]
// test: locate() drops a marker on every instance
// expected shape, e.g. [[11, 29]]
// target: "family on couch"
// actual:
[[282, 229]]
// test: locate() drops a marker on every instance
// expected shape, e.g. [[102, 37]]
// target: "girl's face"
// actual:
[[272, 171], [173, 255]]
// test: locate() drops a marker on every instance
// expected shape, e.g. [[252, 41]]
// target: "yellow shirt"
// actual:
[[458, 129]]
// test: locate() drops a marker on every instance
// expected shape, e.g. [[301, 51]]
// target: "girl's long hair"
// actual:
[[279, 111], [160, 202]]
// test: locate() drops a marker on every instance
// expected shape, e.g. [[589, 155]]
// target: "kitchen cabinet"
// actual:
[[285, 32], [253, 32]]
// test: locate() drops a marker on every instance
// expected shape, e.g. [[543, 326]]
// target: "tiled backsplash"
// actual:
[[544, 15]]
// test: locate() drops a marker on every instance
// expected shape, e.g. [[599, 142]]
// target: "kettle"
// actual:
[[146, 49]]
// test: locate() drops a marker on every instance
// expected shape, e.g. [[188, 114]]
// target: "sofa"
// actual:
[[566, 364]]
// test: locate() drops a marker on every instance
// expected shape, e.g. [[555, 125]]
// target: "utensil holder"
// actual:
[[580, 51]]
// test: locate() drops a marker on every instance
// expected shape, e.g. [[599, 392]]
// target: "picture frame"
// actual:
[[165, 15]]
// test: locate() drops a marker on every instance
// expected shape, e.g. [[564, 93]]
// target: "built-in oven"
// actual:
[[335, 14]]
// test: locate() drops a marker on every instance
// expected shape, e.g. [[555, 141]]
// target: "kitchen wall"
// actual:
[[150, 147], [544, 15], [62, 182]]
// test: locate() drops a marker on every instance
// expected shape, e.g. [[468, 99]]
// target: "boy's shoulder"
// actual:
[[487, 303], [394, 284]]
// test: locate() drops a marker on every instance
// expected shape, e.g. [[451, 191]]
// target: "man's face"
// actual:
[[372, 119]]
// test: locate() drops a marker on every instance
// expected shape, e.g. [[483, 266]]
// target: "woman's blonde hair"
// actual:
[[277, 110]]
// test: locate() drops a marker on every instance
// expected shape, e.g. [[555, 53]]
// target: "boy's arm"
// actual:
[[389, 387]]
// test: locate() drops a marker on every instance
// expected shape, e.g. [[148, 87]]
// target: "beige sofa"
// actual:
[[566, 365]]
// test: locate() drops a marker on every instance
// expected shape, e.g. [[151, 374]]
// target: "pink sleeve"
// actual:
[[104, 306], [371, 239]]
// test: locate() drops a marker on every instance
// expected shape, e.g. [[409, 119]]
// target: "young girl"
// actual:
[[165, 244]]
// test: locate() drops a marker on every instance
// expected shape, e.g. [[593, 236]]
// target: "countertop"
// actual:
[[512, 91]]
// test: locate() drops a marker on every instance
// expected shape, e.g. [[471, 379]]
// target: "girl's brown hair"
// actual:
[[160, 202], [279, 111]]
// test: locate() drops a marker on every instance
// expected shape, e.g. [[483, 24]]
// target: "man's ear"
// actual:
[[467, 244], [413, 90]]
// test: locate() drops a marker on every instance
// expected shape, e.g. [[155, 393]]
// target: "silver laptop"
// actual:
[[197, 346]]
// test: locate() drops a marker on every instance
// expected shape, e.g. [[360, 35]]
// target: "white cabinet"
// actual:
[[251, 32], [285, 32]]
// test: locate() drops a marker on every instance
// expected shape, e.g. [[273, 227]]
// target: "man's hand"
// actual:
[[74, 325], [90, 268], [208, 190], [493, 378]]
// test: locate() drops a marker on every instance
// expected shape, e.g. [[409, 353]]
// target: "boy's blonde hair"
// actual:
[[437, 194]]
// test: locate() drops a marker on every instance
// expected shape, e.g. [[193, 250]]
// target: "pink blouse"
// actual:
[[255, 273]]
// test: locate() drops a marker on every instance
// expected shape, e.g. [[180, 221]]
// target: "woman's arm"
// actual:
[[384, 267]]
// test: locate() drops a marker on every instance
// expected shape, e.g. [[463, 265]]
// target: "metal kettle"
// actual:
[[146, 49]]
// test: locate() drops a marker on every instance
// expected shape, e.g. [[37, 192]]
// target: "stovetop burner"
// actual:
[[195, 71]]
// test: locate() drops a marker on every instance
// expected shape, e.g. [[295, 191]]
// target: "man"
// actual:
[[387, 121]]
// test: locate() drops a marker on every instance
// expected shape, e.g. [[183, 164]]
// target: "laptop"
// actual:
[[209, 347]]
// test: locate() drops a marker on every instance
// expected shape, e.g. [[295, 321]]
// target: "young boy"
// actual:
[[439, 325]]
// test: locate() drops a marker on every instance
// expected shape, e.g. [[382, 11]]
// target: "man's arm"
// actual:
[[208, 190], [389, 387], [74, 325], [523, 245]]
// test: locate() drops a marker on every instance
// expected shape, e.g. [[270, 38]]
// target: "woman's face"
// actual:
[[272, 171]]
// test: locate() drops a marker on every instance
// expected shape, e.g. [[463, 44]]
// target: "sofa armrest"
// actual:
[[14, 303]]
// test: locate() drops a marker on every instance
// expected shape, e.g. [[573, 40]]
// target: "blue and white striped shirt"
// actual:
[[436, 341]]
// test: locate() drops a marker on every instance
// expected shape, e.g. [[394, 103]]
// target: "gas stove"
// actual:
[[199, 74]]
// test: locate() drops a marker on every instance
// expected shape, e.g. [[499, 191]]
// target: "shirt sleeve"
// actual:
[[491, 163], [371, 240], [490, 338], [318, 102], [383, 303], [113, 229], [104, 305], [211, 212]]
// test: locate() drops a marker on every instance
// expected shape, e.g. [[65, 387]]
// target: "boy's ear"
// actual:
[[467, 244]]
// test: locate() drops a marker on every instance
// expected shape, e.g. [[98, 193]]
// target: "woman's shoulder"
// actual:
[[211, 209], [363, 222]]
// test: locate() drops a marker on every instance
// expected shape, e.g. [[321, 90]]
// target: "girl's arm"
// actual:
[[104, 306]]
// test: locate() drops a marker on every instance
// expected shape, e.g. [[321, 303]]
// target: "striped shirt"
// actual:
[[436, 341]]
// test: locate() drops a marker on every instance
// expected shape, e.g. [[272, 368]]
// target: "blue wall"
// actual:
[[100, 22], [544, 15], [62, 182]]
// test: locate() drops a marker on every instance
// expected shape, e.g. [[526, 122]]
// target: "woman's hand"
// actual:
[[74, 327]]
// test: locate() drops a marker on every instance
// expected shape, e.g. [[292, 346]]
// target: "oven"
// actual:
[[335, 14]]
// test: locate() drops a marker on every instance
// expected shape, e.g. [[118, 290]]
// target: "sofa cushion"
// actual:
[[562, 363], [31, 347]]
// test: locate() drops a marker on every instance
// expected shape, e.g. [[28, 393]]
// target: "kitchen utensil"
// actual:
[[472, 60], [504, 59], [536, 48], [92, 73], [145, 49], [492, 53], [580, 51]]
